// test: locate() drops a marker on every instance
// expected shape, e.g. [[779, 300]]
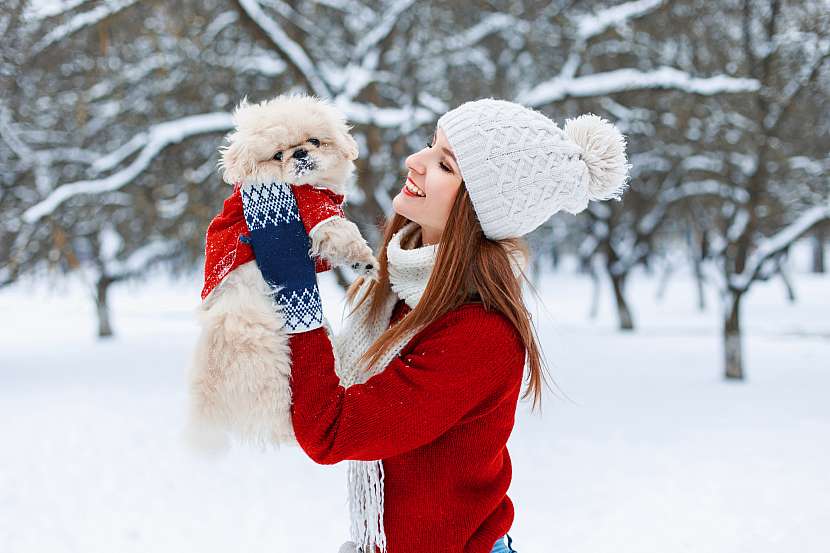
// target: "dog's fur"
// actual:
[[239, 377]]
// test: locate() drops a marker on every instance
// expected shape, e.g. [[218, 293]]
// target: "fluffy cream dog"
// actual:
[[294, 150]]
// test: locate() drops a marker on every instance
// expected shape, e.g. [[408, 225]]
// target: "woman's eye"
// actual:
[[314, 142], [278, 156], [445, 167]]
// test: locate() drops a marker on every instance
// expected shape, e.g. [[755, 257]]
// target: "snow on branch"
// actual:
[[158, 137], [778, 242], [489, 24], [595, 24], [406, 117], [693, 189], [793, 89], [621, 80], [10, 137], [708, 187], [293, 51], [813, 167], [112, 159], [141, 259], [80, 21], [34, 11], [382, 28]]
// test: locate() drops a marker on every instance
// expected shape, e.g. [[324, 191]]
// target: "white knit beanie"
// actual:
[[520, 167]]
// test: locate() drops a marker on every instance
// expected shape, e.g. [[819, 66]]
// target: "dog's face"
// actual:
[[292, 138]]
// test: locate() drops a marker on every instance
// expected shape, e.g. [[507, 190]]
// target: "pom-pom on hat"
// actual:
[[520, 168]]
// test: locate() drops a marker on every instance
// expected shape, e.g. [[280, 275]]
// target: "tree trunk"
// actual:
[[698, 257], [554, 258], [102, 307], [818, 249], [663, 285], [595, 293], [623, 313], [785, 278], [732, 347], [596, 289], [536, 269]]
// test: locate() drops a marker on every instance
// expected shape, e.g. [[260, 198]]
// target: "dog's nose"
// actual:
[[300, 154]]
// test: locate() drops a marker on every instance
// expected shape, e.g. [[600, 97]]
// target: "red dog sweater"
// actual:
[[439, 417], [227, 244]]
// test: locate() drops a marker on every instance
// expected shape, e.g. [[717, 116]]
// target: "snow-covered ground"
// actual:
[[651, 450]]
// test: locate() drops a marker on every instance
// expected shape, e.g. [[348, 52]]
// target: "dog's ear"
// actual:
[[236, 161], [347, 144]]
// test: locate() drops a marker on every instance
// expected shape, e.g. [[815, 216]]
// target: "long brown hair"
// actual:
[[466, 262]]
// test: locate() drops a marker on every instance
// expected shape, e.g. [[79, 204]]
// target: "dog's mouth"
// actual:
[[304, 166]]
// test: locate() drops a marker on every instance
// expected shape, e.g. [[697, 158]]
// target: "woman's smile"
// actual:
[[411, 189]]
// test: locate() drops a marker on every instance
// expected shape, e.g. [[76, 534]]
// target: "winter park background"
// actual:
[[686, 328]]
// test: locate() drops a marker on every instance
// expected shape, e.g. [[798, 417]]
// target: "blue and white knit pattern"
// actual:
[[281, 247], [269, 204]]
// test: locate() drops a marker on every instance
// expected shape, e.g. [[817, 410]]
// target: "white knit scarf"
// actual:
[[409, 272]]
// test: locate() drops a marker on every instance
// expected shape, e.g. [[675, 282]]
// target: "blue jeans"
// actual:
[[500, 547]]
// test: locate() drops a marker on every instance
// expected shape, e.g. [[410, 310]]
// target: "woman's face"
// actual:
[[430, 188]]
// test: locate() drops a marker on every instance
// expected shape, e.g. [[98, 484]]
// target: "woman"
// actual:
[[419, 390]]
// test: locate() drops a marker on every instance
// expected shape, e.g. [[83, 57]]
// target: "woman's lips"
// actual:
[[408, 192]]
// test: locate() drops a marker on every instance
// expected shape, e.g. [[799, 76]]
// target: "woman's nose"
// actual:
[[414, 162]]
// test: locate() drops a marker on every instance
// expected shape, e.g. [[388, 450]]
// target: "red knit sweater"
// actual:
[[438, 416]]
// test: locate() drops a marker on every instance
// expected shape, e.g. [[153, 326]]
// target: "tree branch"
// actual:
[[777, 243], [621, 80], [78, 22], [158, 137], [295, 53]]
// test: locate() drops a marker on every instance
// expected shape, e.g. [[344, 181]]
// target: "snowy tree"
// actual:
[[640, 63], [773, 199], [112, 112], [86, 166]]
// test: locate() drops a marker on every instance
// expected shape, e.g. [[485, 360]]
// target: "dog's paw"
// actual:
[[363, 262], [369, 270]]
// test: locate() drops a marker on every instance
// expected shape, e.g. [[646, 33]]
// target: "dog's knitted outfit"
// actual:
[[426, 428], [273, 222]]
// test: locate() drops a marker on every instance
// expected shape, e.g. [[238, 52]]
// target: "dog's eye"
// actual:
[[278, 156], [314, 142]]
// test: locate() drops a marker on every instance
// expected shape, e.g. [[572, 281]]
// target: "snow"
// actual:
[[219, 23], [812, 167], [651, 451], [142, 258], [381, 28], [290, 48], [41, 9], [265, 64], [778, 242], [592, 25], [405, 117], [490, 23], [80, 21], [619, 80]]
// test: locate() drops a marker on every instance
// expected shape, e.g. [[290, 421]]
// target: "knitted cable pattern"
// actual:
[[520, 168]]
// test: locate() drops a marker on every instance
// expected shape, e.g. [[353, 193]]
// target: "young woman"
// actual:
[[419, 389]]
